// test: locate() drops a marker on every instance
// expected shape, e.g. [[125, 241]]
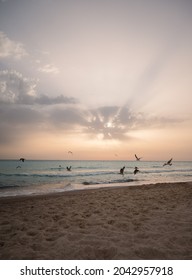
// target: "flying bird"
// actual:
[[136, 170], [22, 159], [137, 158], [169, 162], [69, 152]]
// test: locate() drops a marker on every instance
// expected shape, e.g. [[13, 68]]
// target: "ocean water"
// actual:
[[33, 177]]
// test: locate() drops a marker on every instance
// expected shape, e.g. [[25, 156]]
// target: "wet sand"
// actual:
[[133, 222]]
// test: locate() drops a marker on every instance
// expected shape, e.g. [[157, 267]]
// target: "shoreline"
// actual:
[[135, 184], [151, 221]]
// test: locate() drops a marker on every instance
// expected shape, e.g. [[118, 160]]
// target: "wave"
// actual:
[[109, 182], [166, 171], [67, 175], [95, 172], [9, 186]]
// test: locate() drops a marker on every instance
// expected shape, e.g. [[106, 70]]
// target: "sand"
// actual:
[[134, 222]]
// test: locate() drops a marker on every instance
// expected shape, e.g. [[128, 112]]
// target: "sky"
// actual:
[[105, 79]]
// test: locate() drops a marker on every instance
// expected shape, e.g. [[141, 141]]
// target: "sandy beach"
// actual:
[[135, 222]]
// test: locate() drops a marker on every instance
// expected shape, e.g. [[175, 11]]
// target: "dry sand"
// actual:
[[143, 222]]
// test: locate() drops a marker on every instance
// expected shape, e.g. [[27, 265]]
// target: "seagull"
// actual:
[[22, 159], [69, 152], [169, 162], [122, 170], [136, 170], [137, 158], [68, 168]]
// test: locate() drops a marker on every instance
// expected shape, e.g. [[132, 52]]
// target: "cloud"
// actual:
[[17, 121], [19, 114], [112, 122], [10, 48], [17, 89], [103, 123], [60, 99], [109, 122], [49, 68], [14, 88], [119, 122], [68, 119]]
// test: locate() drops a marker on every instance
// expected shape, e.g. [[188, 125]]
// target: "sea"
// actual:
[[35, 177]]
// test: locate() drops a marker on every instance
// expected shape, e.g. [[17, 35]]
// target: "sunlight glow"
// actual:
[[109, 125]]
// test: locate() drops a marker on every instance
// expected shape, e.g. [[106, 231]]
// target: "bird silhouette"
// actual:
[[169, 162], [136, 170], [122, 170], [137, 158], [22, 159]]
